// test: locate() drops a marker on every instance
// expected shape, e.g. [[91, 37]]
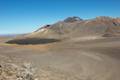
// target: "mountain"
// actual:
[[75, 27]]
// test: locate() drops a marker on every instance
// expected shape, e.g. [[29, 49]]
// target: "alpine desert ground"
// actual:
[[73, 49]]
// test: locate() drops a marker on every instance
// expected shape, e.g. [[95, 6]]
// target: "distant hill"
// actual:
[[75, 27]]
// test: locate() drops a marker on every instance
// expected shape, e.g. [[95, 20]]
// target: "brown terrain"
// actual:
[[73, 49]]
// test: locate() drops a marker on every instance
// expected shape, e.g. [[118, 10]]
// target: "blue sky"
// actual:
[[22, 16]]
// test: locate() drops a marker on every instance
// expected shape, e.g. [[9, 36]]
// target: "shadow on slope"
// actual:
[[32, 41]]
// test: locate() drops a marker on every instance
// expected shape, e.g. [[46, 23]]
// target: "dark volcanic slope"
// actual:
[[74, 27]]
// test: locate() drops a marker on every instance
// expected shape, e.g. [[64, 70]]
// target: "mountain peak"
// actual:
[[73, 19]]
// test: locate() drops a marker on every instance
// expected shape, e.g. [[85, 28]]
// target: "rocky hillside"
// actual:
[[75, 27]]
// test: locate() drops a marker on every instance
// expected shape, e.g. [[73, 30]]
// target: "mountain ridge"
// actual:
[[60, 27], [75, 27]]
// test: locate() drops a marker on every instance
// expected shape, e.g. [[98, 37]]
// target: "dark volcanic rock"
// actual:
[[44, 27], [72, 19], [32, 41]]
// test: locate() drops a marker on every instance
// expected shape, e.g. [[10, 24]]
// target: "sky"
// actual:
[[24, 16]]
